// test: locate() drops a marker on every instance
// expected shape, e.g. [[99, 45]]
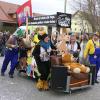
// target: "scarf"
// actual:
[[45, 45]]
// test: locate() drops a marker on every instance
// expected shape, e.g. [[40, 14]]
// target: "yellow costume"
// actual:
[[90, 49], [35, 38]]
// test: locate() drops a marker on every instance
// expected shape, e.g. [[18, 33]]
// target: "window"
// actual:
[[75, 23], [80, 23]]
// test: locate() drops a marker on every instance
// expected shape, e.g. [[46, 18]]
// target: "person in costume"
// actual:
[[22, 57], [41, 54], [38, 31], [93, 50], [11, 54]]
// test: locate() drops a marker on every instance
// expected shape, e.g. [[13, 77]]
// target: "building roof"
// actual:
[[5, 10], [8, 9]]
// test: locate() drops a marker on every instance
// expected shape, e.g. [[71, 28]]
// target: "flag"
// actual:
[[23, 11]]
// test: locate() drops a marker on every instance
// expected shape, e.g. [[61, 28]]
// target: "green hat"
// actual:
[[19, 32]]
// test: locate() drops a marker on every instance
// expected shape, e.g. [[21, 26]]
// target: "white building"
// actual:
[[80, 24]]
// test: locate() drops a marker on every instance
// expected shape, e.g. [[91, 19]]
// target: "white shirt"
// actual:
[[45, 55], [72, 47]]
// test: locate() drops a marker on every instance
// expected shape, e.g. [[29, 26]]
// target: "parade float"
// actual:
[[66, 74]]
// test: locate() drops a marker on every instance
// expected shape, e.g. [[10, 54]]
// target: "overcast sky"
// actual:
[[47, 6]]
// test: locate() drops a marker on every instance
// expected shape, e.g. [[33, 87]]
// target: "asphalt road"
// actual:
[[22, 88]]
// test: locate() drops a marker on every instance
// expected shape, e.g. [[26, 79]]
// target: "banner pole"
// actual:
[[27, 27], [26, 24]]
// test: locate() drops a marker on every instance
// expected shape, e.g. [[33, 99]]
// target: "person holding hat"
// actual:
[[41, 54], [93, 50]]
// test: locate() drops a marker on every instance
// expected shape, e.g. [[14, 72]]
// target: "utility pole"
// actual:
[[65, 3]]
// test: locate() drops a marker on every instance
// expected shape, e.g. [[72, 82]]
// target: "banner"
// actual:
[[60, 20], [43, 20], [23, 11], [63, 20]]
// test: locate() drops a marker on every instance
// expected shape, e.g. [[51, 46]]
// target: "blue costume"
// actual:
[[95, 59], [11, 55]]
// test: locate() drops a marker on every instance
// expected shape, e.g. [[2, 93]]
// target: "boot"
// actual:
[[45, 85], [39, 84]]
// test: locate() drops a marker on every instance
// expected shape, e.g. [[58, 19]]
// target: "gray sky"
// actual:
[[46, 6]]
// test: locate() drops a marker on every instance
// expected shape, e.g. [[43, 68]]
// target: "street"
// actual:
[[21, 88]]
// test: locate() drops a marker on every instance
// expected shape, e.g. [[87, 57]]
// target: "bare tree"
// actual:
[[90, 10]]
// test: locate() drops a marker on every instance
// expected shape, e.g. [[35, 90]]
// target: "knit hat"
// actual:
[[42, 37]]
